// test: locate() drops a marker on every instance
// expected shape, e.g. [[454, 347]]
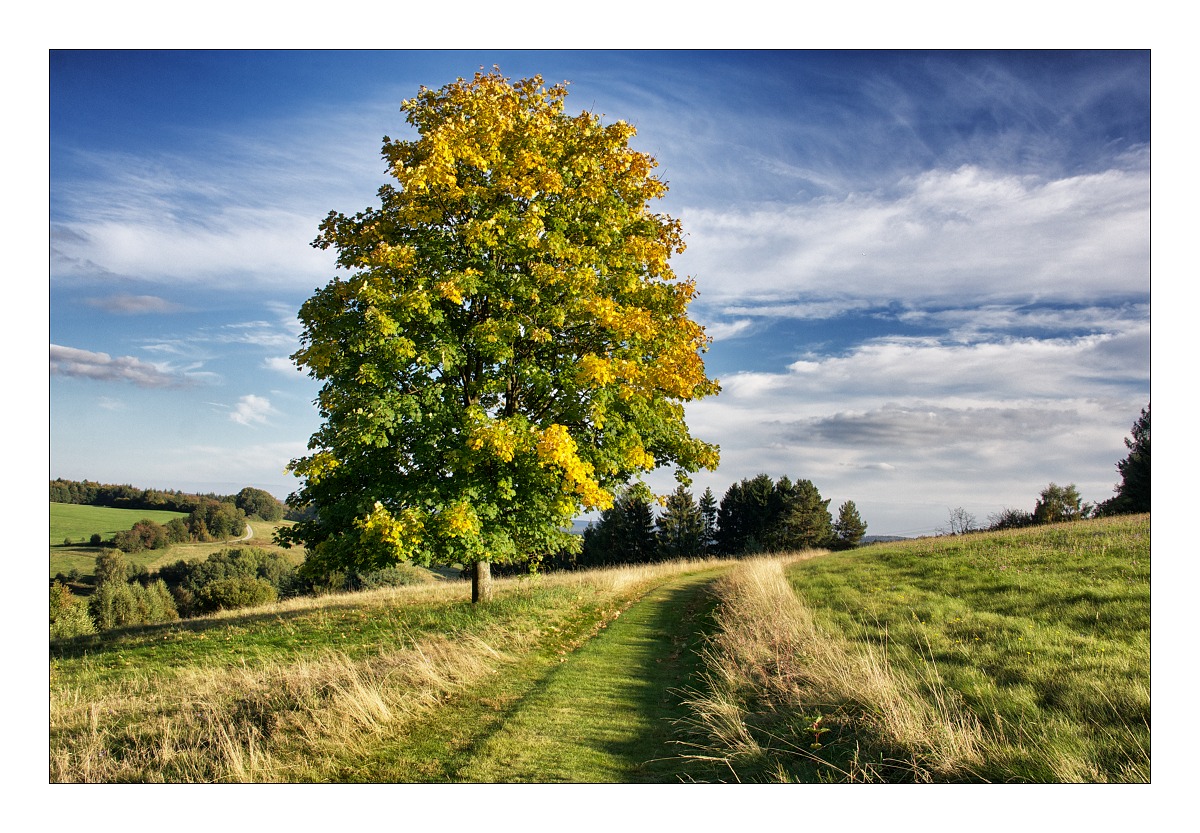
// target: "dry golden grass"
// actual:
[[305, 716], [779, 688]]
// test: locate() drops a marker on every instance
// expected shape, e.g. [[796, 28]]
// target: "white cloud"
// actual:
[[281, 364], [725, 331], [968, 235], [246, 207], [907, 427], [71, 361], [252, 409], [134, 304]]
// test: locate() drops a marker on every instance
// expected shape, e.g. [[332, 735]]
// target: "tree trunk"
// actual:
[[481, 583]]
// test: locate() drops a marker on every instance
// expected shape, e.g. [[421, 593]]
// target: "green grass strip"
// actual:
[[602, 714]]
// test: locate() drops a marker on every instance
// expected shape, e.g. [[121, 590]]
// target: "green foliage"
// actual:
[[111, 567], [849, 528], [1058, 503], [68, 614], [258, 502], [744, 516], [624, 533], [398, 575], [91, 493], [799, 518], [708, 520], [192, 582], [1133, 492], [234, 592], [1010, 519], [510, 347], [144, 535], [217, 521], [117, 604], [759, 515], [177, 531], [680, 528]]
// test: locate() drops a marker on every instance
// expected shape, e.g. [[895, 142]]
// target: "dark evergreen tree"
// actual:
[[624, 534], [680, 527], [1133, 492], [708, 522], [744, 516], [798, 518], [849, 528]]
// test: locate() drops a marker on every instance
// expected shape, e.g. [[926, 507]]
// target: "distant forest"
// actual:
[[90, 493]]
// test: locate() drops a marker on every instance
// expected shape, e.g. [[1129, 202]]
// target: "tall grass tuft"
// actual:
[[1021, 655], [785, 700]]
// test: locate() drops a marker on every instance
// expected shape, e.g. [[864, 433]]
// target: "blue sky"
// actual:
[[927, 274]]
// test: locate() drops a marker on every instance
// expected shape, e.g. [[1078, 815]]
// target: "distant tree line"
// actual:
[[1058, 504], [755, 515], [250, 500]]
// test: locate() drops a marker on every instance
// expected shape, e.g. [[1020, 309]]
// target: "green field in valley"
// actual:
[[79, 523]]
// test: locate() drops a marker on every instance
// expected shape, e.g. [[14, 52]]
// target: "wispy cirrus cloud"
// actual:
[[134, 304], [967, 233], [234, 209], [85, 364]]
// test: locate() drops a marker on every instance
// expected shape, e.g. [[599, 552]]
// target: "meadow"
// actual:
[[1006, 656], [79, 522]]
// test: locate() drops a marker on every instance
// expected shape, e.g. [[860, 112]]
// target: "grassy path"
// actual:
[[601, 714]]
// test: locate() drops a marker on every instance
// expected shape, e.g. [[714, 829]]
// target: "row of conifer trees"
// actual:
[[755, 515]]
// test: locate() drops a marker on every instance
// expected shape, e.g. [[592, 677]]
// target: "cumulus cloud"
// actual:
[[71, 361], [895, 422], [280, 364], [252, 410]]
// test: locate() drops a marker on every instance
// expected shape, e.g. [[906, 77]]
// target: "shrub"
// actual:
[[395, 576], [68, 614], [111, 567], [236, 592], [144, 535], [118, 604], [95, 540], [1011, 519], [188, 580]]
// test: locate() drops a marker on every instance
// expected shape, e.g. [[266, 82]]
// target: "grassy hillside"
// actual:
[[398, 684], [79, 523], [71, 520], [1012, 656]]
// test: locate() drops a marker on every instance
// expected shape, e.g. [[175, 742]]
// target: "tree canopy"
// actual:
[[511, 345]]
